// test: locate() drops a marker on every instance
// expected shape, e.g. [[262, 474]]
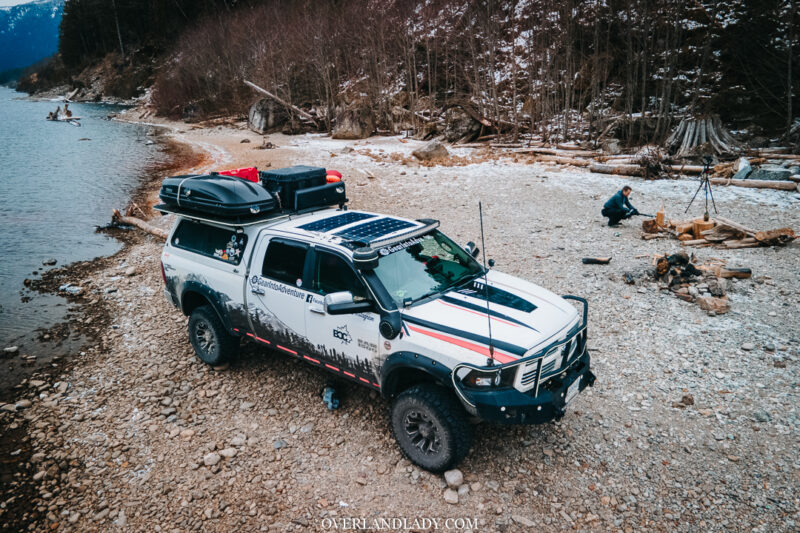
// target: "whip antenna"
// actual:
[[486, 287]]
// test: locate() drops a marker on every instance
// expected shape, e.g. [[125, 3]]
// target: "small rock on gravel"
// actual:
[[522, 520], [278, 444], [748, 346], [11, 350], [761, 416], [23, 404], [211, 459], [228, 452], [454, 478], [451, 496]]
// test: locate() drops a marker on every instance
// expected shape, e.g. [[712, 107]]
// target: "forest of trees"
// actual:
[[562, 68]]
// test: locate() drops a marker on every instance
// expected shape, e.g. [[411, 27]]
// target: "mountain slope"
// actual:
[[29, 32]]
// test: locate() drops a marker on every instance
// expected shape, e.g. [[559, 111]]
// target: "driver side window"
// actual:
[[334, 274]]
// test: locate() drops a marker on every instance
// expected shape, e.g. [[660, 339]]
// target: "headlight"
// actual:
[[485, 379]]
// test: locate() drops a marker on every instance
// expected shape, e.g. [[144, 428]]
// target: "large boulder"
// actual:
[[770, 172], [611, 146], [459, 126], [743, 169], [266, 115], [353, 124], [432, 150]]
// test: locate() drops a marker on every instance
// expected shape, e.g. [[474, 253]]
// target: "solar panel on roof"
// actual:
[[374, 229], [327, 224]]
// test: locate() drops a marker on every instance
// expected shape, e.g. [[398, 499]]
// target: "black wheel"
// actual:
[[431, 427], [212, 344]]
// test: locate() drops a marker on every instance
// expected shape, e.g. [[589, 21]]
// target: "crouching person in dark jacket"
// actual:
[[618, 207]]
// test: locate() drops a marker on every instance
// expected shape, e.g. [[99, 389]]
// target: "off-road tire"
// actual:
[[440, 410], [211, 342]]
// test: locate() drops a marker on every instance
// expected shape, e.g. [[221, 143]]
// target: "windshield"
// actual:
[[418, 267]]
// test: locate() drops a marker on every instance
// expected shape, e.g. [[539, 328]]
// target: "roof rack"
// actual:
[[428, 225], [239, 221]]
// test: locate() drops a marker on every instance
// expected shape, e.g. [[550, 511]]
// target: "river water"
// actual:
[[57, 183]]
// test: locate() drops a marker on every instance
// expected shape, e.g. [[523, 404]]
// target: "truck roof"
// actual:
[[354, 227]]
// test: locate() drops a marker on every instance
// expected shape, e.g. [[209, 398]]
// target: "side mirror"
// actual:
[[341, 303], [471, 249]]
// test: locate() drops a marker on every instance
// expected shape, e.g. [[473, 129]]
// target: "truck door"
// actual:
[[276, 297], [347, 343]]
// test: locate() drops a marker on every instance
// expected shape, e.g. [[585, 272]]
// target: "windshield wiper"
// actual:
[[465, 278], [426, 295]]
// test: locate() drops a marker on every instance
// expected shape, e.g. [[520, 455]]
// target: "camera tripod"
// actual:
[[705, 185]]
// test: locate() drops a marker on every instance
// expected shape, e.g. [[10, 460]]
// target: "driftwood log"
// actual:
[[570, 161], [756, 184], [623, 170], [119, 218], [283, 102]]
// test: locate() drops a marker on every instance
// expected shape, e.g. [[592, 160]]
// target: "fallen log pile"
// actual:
[[718, 231], [705, 284]]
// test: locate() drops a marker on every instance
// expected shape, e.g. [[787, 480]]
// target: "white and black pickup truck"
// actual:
[[390, 303]]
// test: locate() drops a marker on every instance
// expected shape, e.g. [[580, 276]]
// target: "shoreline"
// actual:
[[76, 337]]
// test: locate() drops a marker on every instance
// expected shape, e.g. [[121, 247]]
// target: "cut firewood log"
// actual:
[[736, 225], [685, 237], [722, 232], [699, 226], [695, 242], [742, 245], [775, 237], [683, 227], [711, 303], [741, 273], [596, 260], [756, 184], [118, 218], [651, 236], [748, 242], [649, 225]]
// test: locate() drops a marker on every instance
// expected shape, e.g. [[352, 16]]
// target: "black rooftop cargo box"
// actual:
[[217, 195], [286, 181]]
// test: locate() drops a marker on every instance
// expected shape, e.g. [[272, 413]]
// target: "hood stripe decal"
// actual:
[[513, 349], [477, 289], [499, 356], [468, 306]]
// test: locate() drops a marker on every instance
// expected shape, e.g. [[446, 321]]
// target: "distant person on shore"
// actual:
[[67, 112], [57, 114], [618, 207]]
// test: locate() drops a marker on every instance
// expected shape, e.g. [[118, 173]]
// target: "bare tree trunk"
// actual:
[[789, 67], [119, 33]]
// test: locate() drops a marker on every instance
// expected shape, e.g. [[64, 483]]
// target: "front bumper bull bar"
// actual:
[[543, 402]]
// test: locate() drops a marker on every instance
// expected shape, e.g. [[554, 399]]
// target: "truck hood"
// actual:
[[524, 316]]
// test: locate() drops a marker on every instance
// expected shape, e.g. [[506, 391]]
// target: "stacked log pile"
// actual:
[[719, 231], [704, 284]]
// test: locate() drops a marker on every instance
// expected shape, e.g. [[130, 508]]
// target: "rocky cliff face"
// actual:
[[29, 32]]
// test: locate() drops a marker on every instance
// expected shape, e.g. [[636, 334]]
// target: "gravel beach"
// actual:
[[692, 425]]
